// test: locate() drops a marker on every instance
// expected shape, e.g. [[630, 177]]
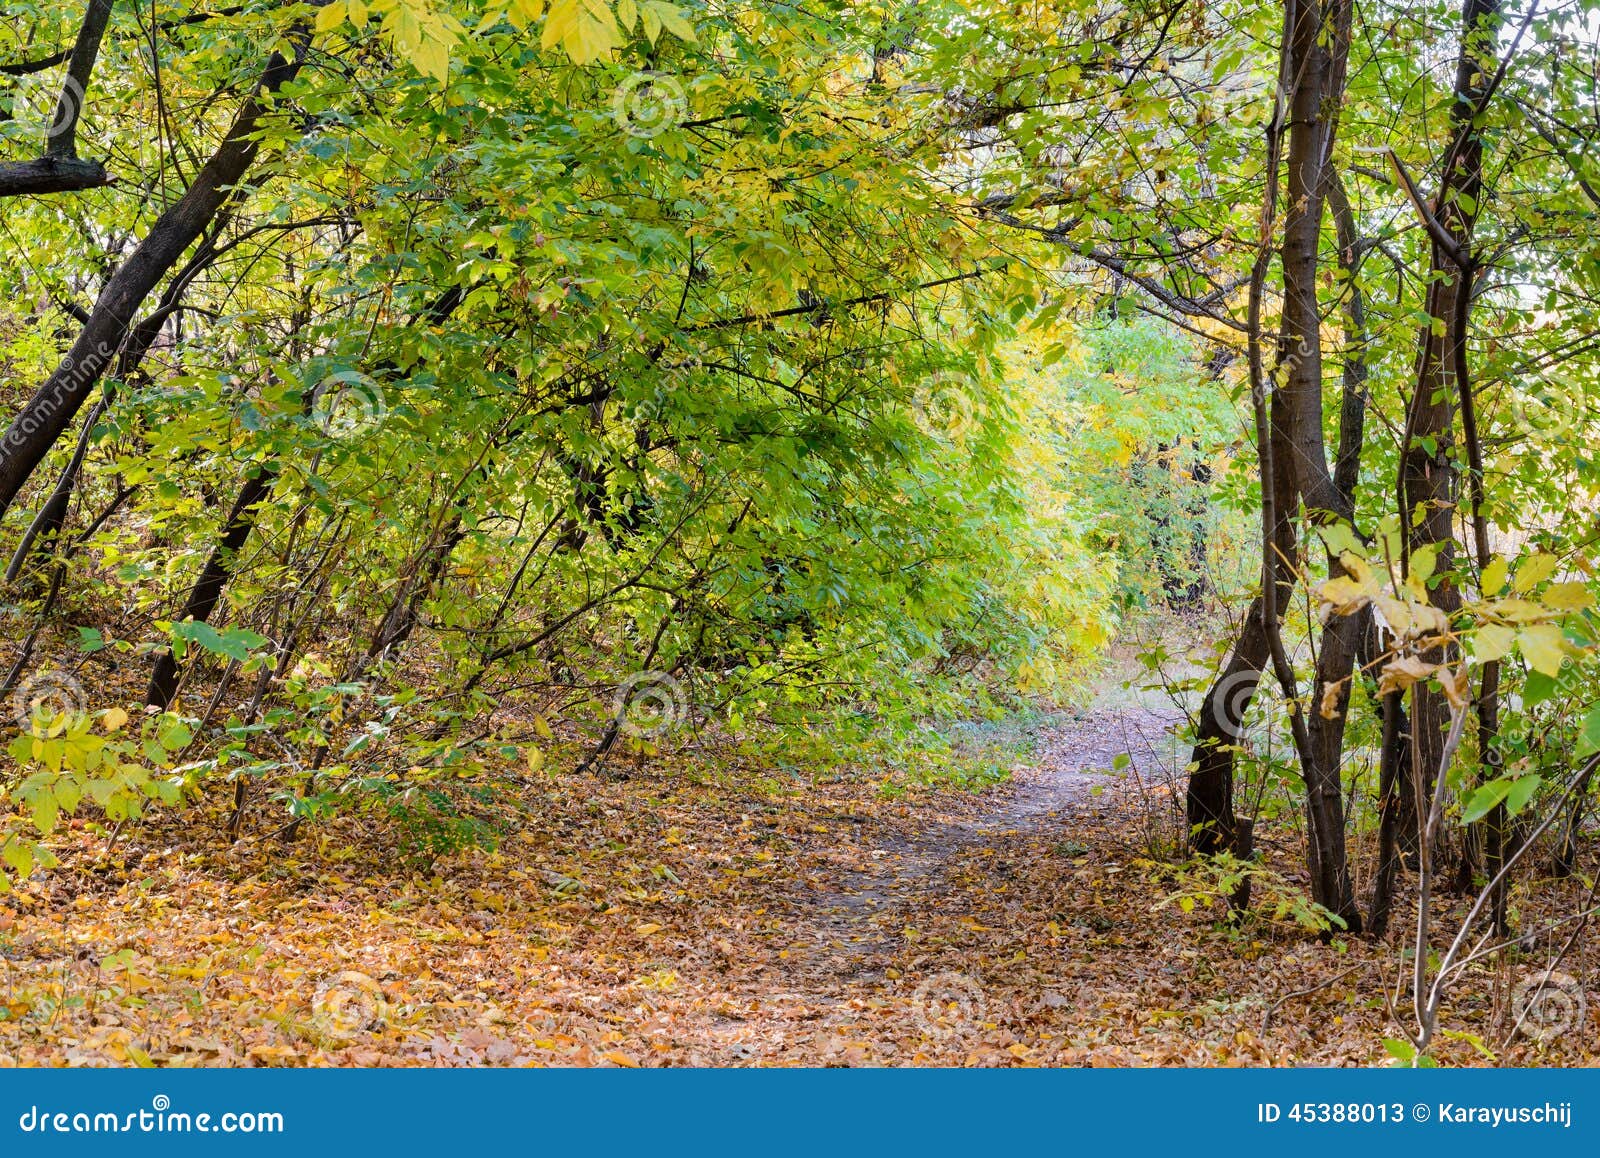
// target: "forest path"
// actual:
[[860, 919], [902, 933]]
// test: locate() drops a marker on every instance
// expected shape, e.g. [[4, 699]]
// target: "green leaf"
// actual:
[[1589, 733], [1521, 792], [1537, 688], [1399, 1049], [235, 643], [1478, 805]]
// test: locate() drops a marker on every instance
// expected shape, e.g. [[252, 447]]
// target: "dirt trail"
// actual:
[[854, 928]]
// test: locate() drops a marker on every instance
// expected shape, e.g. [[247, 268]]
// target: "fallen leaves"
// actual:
[[680, 919]]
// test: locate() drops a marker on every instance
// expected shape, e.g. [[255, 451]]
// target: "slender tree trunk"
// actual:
[[34, 431], [1213, 827], [1319, 37], [1429, 477], [207, 590]]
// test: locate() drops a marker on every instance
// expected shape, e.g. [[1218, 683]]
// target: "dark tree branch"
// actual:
[[51, 174]]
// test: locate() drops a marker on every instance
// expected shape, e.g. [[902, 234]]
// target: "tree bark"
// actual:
[[1319, 37], [1429, 478], [207, 590], [51, 175], [50, 411]]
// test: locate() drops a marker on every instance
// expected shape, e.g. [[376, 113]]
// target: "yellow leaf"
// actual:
[[330, 16], [1411, 619], [627, 14], [1494, 577], [1516, 610], [113, 719], [432, 58], [1492, 641], [1567, 597], [618, 1058], [672, 19], [647, 929], [563, 19], [1534, 570], [1340, 539], [525, 12], [1345, 594], [1349, 592], [535, 758], [1543, 645]]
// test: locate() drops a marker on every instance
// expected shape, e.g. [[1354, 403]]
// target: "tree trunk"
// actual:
[[1429, 478], [207, 590], [50, 411], [1319, 36]]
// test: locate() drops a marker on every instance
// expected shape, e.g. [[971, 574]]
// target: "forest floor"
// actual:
[[713, 912]]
